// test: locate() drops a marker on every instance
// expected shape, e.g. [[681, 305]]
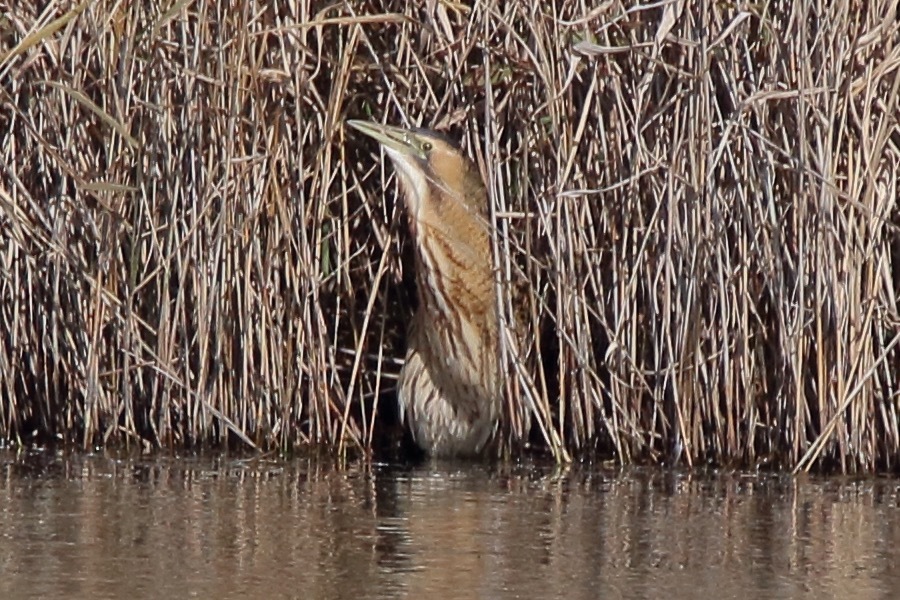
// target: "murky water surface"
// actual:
[[105, 527]]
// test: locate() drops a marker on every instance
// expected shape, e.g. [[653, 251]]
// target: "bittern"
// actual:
[[450, 385]]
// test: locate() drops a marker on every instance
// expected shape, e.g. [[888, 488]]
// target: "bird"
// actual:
[[450, 385]]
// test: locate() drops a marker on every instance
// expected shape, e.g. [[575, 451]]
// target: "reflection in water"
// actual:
[[95, 526]]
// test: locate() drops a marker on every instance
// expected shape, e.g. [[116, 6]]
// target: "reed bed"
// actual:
[[698, 200]]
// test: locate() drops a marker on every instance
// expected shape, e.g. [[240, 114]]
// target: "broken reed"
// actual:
[[700, 204]]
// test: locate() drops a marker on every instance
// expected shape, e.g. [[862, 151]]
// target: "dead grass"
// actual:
[[700, 202]]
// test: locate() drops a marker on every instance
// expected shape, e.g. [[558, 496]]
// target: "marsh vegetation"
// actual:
[[698, 200]]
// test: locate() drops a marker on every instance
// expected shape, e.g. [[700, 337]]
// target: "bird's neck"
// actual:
[[454, 277]]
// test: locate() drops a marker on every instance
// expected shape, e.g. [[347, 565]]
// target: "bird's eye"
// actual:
[[426, 146]]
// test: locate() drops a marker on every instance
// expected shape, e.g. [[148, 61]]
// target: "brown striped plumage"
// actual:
[[450, 385]]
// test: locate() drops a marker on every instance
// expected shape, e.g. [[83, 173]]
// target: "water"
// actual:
[[104, 527]]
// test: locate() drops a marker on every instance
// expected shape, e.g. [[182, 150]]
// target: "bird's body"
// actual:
[[450, 385]]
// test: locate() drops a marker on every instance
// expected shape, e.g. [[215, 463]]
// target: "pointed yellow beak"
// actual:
[[397, 139]]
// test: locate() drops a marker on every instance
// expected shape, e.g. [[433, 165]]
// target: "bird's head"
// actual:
[[441, 184]]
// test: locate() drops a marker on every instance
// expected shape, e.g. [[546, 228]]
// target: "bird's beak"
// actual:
[[393, 138]]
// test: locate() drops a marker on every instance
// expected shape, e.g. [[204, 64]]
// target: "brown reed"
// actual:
[[700, 198]]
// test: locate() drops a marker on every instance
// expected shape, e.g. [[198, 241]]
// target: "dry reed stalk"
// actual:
[[700, 201]]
